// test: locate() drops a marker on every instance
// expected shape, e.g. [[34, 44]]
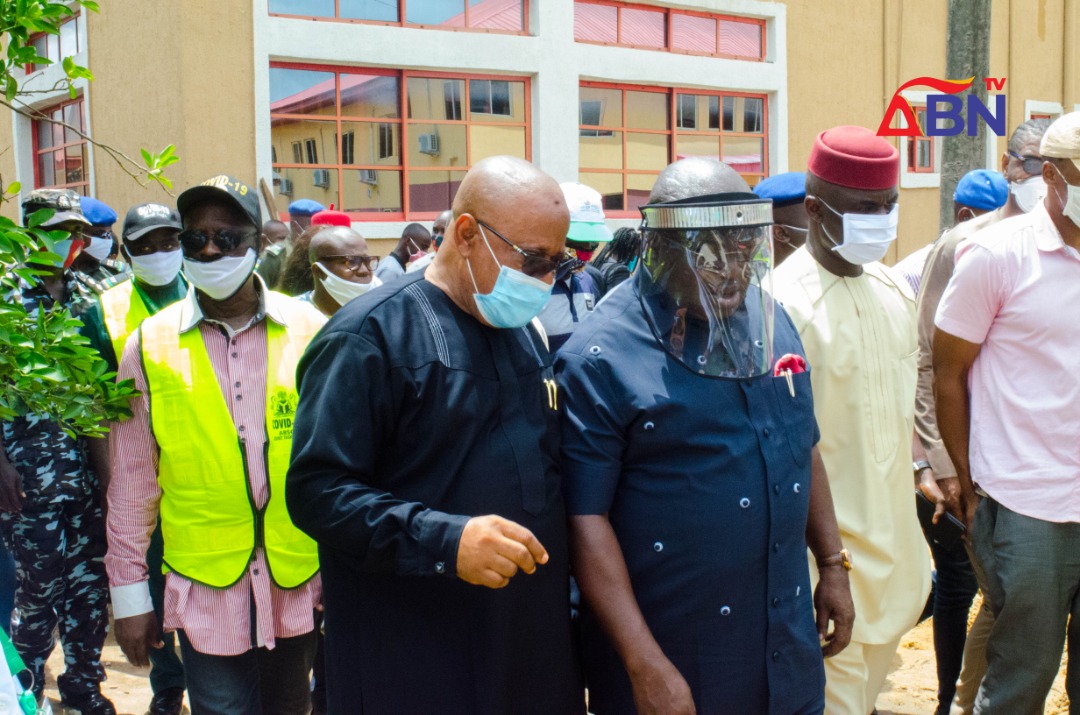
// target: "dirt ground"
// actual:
[[910, 690]]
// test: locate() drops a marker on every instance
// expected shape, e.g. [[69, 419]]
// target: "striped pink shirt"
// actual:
[[216, 621]]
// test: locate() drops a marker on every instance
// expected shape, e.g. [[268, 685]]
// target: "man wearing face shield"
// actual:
[[207, 448], [691, 475], [1006, 399], [857, 322], [425, 467]]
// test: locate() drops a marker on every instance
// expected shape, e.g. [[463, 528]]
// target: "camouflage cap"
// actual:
[[65, 202]]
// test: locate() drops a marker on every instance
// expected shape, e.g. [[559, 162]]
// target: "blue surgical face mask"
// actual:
[[516, 298]]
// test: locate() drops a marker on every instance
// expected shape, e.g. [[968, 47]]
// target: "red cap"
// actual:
[[855, 157], [330, 217]]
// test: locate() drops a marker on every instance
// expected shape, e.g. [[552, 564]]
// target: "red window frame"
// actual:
[[403, 122], [914, 143], [672, 133], [81, 187], [403, 23], [60, 52], [669, 13]]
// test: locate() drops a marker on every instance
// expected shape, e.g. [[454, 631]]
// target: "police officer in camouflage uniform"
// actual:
[[51, 509]]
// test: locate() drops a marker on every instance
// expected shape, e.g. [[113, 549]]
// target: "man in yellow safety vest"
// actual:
[[207, 447]]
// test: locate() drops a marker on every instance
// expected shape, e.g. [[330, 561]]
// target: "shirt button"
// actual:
[[776, 602], [797, 487], [776, 546], [776, 655], [239, 397], [234, 341], [725, 611], [649, 425], [256, 570], [440, 567], [235, 355], [658, 547], [776, 489], [236, 384], [594, 350], [765, 431], [242, 428], [744, 503]]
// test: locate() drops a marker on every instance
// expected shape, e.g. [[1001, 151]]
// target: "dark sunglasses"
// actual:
[[1032, 165], [533, 264], [353, 263], [227, 241]]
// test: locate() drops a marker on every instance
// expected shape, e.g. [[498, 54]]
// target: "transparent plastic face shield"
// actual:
[[706, 282]]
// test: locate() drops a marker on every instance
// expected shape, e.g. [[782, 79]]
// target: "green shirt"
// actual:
[[155, 297]]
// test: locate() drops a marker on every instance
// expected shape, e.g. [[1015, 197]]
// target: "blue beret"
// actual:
[[305, 207], [981, 189], [783, 189], [97, 212]]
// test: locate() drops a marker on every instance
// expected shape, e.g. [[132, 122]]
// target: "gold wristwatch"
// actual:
[[842, 558]]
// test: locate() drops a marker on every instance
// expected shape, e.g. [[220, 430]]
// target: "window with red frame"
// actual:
[[920, 150], [56, 47], [659, 28], [628, 134], [60, 153], [407, 137], [475, 15]]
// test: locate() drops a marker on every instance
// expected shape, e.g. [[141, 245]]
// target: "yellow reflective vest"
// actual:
[[208, 519], [123, 309]]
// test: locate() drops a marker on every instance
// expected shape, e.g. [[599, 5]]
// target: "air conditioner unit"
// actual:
[[322, 178], [369, 176], [285, 187], [429, 144]]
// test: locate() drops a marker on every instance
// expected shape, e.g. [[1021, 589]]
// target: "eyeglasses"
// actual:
[[354, 263], [533, 264], [1032, 165], [227, 241]]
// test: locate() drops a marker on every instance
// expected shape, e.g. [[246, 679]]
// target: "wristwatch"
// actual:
[[842, 558], [920, 465]]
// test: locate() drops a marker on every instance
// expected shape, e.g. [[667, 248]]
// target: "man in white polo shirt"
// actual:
[[1008, 406]]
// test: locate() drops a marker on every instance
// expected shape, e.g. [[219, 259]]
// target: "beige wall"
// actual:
[[7, 163], [172, 73], [873, 47]]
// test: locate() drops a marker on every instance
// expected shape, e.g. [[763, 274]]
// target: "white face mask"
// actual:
[[157, 269], [1028, 193], [99, 248], [867, 237], [221, 279], [1070, 207], [342, 290]]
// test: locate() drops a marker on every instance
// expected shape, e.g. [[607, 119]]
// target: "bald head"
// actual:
[[507, 213], [504, 186], [696, 176], [336, 241]]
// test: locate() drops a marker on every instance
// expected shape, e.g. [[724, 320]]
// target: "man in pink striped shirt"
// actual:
[[207, 447]]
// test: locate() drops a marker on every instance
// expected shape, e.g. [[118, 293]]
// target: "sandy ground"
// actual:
[[910, 690]]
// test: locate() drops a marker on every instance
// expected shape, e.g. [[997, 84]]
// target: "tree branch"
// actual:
[[140, 174]]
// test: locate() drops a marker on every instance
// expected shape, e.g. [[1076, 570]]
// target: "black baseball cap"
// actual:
[[144, 218], [223, 187]]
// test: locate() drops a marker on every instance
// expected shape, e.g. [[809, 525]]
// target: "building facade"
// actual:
[[380, 107]]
